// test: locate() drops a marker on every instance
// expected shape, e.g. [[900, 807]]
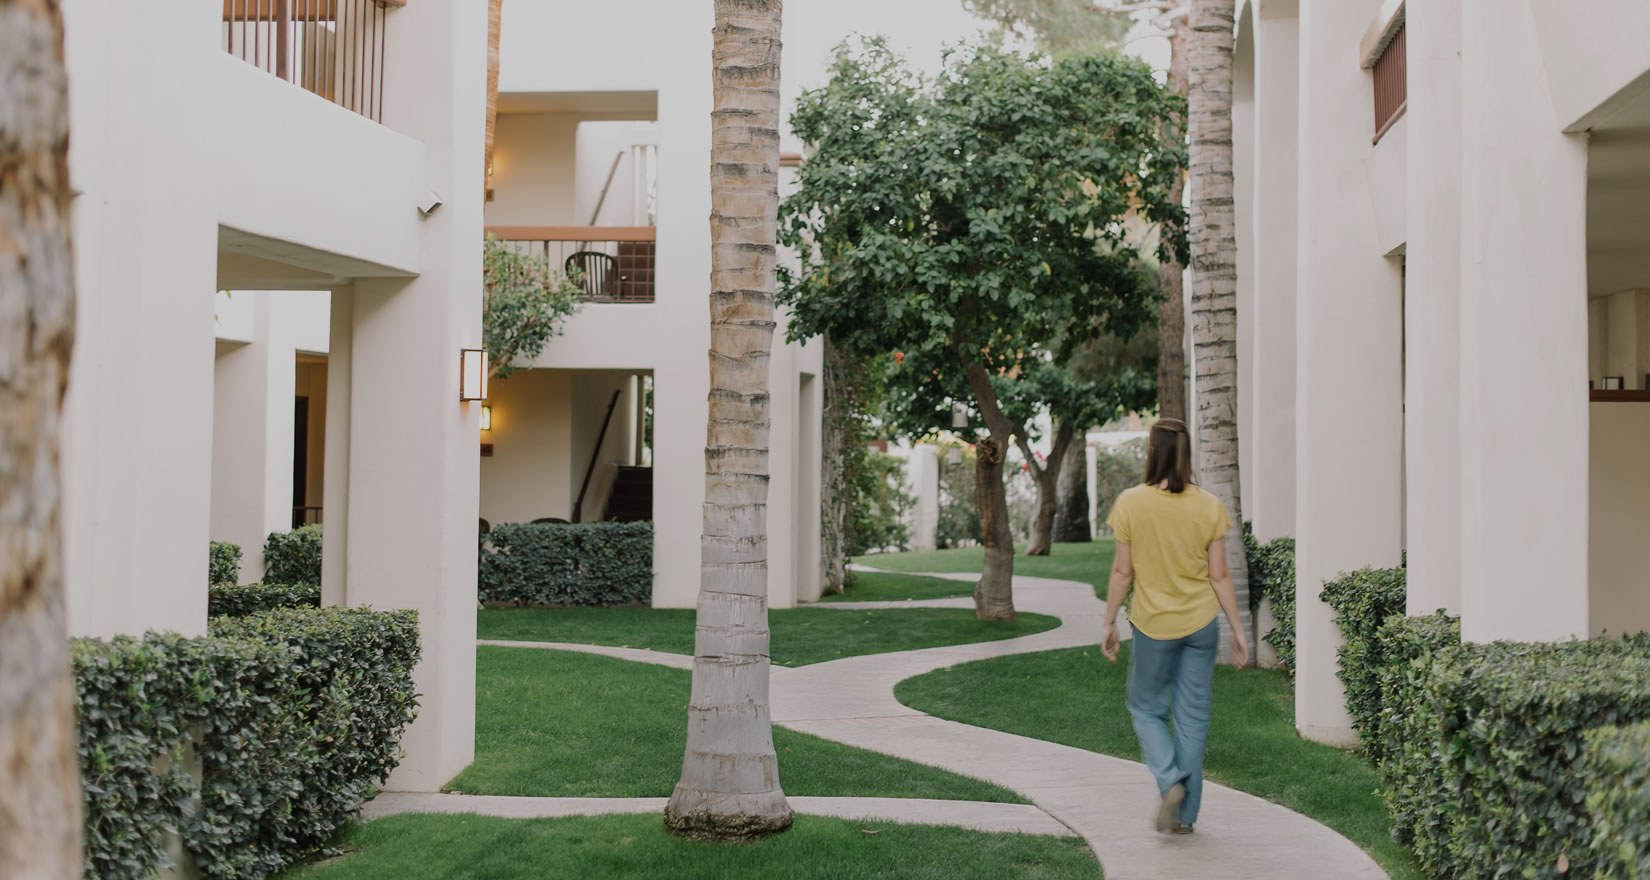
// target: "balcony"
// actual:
[[616, 263], [333, 48]]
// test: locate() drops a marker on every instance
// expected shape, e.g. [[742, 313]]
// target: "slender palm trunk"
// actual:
[[40, 819], [1171, 312], [1214, 272], [730, 777]]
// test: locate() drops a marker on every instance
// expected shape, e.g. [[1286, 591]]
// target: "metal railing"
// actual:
[[333, 48], [616, 264], [1391, 80]]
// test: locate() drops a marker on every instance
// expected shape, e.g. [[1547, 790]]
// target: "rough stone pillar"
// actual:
[[1524, 410]]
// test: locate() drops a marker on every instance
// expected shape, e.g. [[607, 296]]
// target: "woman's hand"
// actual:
[[1108, 641], [1240, 648]]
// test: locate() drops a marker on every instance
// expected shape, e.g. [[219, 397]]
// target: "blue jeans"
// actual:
[[1173, 678]]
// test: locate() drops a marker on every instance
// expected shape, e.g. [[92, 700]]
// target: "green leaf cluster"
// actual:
[[253, 744], [524, 302], [879, 504], [1058, 26], [294, 557], [1363, 600], [224, 563], [567, 564], [232, 600], [1419, 797], [1272, 576], [1618, 797]]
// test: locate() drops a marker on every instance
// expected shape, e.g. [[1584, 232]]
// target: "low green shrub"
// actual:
[[291, 716], [567, 564], [294, 557], [1403, 754], [1493, 773], [231, 600], [224, 566], [1272, 576], [1617, 776], [1363, 600]]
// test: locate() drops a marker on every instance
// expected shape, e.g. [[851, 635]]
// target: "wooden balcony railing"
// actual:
[[616, 263], [334, 48]]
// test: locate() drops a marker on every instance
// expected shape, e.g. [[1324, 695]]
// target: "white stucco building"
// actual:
[[1444, 237]]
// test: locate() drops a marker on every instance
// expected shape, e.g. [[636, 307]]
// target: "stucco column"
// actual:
[[252, 442], [923, 481], [1524, 415], [138, 418], [1348, 402], [1269, 482], [1245, 233], [413, 460], [1432, 308], [335, 491]]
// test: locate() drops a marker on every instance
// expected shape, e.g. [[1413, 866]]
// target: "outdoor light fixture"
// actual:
[[954, 456], [472, 374], [486, 418], [959, 416]]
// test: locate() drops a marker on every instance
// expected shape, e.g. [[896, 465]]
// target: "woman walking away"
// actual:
[[1171, 546]]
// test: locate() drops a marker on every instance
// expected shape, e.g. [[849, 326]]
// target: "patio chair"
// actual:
[[599, 273]]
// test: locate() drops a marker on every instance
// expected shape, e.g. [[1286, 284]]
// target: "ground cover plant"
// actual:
[[613, 847], [1086, 563], [564, 724], [1076, 698], [800, 635]]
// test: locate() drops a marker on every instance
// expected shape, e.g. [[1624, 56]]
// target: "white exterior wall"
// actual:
[[1618, 555], [922, 477]]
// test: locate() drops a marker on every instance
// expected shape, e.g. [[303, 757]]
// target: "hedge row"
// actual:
[[224, 565], [1412, 788], [1363, 601], [291, 717], [563, 564], [231, 600], [294, 557], [1617, 774], [1272, 576]]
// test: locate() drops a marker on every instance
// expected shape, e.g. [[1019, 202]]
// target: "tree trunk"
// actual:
[[1047, 478], [834, 508], [1071, 515], [994, 594], [495, 12], [730, 776], [1214, 273], [1171, 312], [40, 818]]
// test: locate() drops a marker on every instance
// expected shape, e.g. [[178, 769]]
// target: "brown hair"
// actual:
[[1169, 455]]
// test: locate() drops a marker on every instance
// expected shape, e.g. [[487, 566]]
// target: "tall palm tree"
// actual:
[[730, 776], [1214, 270], [40, 800]]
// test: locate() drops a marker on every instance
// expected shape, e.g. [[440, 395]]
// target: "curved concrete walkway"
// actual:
[[1108, 801]]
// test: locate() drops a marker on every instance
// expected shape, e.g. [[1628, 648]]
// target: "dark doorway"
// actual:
[[300, 461]]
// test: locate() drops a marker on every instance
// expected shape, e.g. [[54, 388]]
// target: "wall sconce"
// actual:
[[955, 456], [959, 416], [472, 374], [486, 418]]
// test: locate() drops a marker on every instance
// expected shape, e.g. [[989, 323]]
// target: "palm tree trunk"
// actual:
[[40, 818], [1214, 272], [730, 776], [1171, 312]]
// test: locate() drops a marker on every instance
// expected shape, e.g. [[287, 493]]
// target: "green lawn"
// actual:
[[614, 847], [1086, 563], [883, 586], [1075, 697], [563, 724], [800, 635]]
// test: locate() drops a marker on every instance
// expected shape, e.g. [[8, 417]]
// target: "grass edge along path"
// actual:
[[612, 847], [898, 586], [1088, 563], [1074, 697], [566, 724]]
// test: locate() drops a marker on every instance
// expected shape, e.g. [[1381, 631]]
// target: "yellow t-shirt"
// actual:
[[1169, 536]]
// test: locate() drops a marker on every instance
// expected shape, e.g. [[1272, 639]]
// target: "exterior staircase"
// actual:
[[632, 497]]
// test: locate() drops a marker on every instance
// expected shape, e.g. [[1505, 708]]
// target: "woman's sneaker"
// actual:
[[1168, 811], [1182, 829]]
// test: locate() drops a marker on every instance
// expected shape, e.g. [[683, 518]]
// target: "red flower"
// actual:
[[899, 357]]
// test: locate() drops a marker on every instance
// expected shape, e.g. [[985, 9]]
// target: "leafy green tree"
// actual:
[[1057, 26], [969, 221], [524, 303]]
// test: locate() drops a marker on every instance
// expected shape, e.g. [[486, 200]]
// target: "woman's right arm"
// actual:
[[1122, 574], [1220, 577]]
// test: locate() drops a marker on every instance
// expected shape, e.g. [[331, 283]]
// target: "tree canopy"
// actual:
[[1058, 26], [523, 306]]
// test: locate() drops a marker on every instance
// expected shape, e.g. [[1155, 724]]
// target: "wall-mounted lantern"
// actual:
[[959, 416], [472, 374], [955, 456], [486, 418]]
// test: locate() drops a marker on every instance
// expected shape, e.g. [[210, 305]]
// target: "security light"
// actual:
[[486, 418]]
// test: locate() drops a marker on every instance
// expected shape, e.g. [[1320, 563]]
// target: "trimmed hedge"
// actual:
[[230, 600], [1410, 789], [224, 565], [1614, 765], [1363, 600], [1272, 576], [293, 715], [294, 557], [1491, 773], [567, 564]]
